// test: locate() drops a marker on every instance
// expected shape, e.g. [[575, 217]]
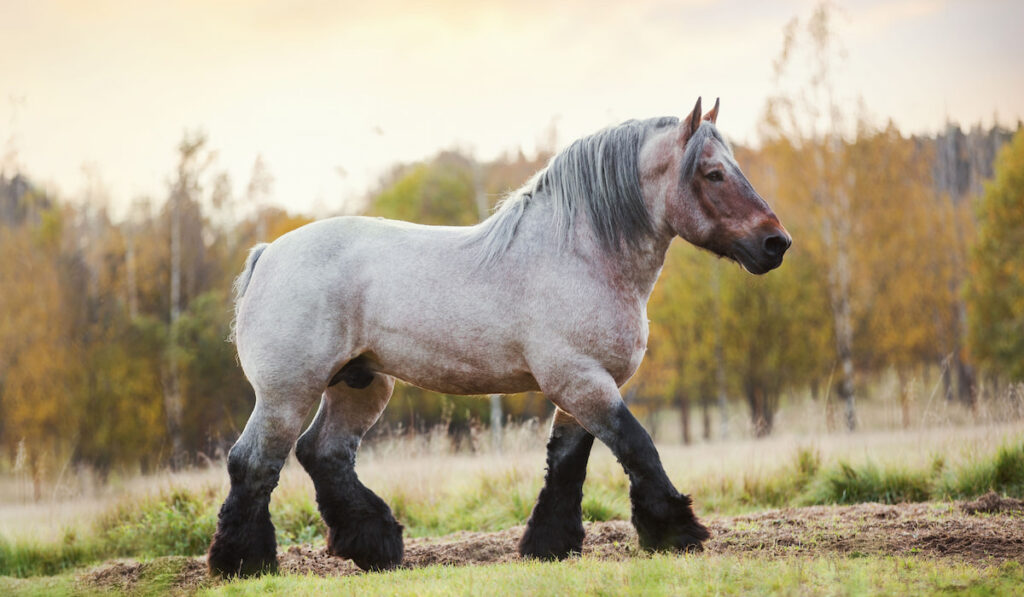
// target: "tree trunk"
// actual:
[[840, 294], [173, 407], [836, 227], [906, 396], [964, 372], [496, 422], [705, 407], [684, 417], [950, 188], [131, 279], [761, 411], [723, 406]]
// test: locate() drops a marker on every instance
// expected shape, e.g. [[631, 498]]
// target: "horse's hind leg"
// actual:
[[360, 525], [244, 543], [555, 529]]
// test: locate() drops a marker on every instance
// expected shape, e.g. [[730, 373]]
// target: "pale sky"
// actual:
[[318, 85]]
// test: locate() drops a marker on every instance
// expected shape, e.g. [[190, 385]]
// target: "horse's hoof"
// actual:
[[244, 545], [372, 543], [669, 525], [230, 557], [552, 542]]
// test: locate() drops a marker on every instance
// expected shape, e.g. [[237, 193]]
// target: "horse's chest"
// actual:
[[619, 343]]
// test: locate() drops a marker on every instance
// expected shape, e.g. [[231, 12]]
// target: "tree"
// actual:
[[813, 121], [681, 362], [40, 366], [995, 291], [441, 192], [184, 190]]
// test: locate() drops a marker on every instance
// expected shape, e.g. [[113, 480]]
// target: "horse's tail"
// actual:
[[242, 282]]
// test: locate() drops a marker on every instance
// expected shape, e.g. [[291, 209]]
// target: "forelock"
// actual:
[[695, 145]]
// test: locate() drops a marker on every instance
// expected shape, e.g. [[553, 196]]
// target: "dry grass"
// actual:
[[427, 470]]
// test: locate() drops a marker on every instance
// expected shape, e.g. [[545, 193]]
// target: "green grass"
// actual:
[[844, 484], [654, 575], [181, 521], [664, 575], [1003, 473], [25, 557]]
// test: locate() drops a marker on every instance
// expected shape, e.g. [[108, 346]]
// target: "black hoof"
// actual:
[[555, 540], [245, 550], [372, 543], [668, 524]]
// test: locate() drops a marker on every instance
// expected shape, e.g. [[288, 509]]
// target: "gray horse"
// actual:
[[550, 293]]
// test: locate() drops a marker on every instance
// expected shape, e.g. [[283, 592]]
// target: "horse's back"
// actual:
[[412, 297]]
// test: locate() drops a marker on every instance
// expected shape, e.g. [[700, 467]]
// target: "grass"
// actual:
[[664, 575], [644, 575], [180, 520], [1003, 473]]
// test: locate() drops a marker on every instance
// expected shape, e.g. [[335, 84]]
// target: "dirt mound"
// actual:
[[941, 530], [931, 530], [606, 540], [176, 575], [991, 503]]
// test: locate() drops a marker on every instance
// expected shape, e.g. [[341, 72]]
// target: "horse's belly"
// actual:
[[453, 383], [456, 368]]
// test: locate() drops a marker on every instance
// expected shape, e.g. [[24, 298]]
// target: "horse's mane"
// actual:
[[596, 176]]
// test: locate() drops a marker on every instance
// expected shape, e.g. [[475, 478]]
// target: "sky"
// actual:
[[332, 94]]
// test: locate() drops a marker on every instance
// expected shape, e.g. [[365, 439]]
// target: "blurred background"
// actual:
[[146, 146]]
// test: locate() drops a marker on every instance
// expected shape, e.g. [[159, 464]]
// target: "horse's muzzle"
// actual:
[[762, 253]]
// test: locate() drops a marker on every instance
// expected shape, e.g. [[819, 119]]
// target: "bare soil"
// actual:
[[984, 531]]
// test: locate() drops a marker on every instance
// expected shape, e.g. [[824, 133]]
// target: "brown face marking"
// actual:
[[732, 210]]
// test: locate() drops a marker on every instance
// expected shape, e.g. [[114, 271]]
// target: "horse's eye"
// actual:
[[715, 176]]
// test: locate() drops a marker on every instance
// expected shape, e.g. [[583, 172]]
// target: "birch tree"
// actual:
[[811, 116]]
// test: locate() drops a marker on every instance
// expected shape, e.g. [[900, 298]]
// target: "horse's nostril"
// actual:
[[776, 244]]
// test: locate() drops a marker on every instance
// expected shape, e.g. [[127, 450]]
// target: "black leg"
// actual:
[[663, 518], [360, 525], [244, 544], [555, 529]]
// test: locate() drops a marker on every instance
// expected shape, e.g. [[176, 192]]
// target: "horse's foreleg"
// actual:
[[555, 529], [244, 543], [662, 516], [360, 525]]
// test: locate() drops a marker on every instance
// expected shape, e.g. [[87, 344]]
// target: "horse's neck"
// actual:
[[631, 272], [637, 269]]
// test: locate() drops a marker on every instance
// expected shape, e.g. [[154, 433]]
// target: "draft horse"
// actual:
[[549, 293]]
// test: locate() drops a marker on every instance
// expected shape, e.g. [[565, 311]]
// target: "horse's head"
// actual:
[[706, 198]]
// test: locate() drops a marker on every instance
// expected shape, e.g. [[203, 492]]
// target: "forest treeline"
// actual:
[[113, 334]]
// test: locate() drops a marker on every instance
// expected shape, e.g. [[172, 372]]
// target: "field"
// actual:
[[926, 509]]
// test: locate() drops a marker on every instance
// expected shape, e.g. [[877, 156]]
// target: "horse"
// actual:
[[547, 294]]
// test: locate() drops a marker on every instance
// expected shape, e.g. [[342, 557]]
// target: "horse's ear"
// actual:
[[689, 124], [712, 116]]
